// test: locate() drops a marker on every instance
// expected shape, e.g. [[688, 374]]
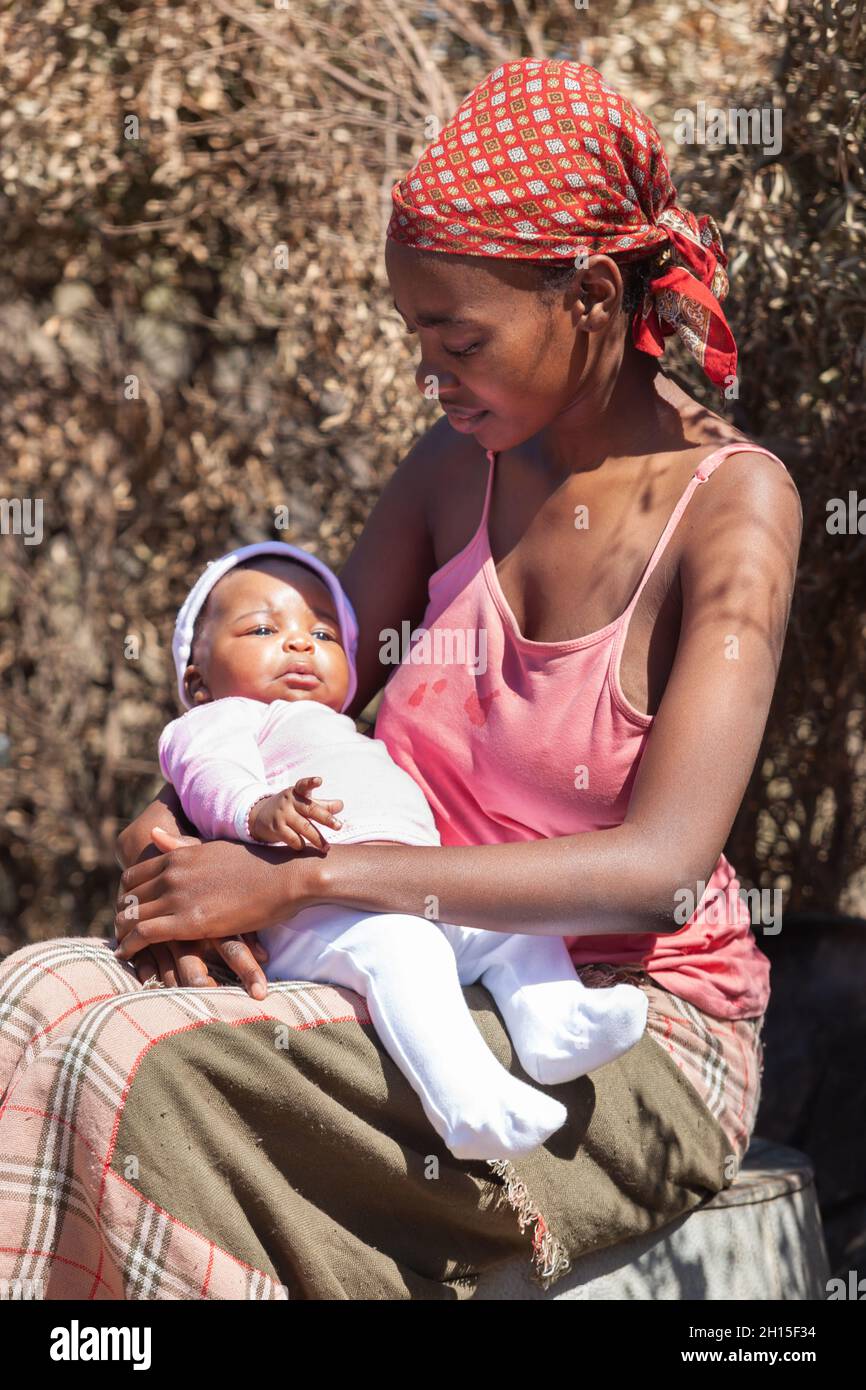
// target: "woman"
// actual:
[[603, 570]]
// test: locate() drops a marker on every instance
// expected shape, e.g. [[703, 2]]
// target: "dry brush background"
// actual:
[[194, 196]]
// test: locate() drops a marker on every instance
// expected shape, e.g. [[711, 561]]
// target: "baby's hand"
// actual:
[[289, 815]]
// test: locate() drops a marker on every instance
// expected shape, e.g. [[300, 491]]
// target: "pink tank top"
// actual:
[[500, 732]]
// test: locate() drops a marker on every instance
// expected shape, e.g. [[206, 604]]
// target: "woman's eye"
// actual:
[[462, 352]]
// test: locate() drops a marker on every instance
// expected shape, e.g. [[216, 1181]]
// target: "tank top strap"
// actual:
[[705, 469], [491, 459]]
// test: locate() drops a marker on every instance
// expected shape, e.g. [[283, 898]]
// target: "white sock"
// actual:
[[559, 1028], [406, 970]]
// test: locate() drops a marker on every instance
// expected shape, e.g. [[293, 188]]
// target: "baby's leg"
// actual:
[[405, 969], [559, 1028]]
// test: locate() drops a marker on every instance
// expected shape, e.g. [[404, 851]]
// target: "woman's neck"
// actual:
[[626, 413]]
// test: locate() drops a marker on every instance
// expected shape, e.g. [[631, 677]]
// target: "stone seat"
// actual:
[[761, 1238]]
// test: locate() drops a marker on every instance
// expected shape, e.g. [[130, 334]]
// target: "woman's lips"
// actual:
[[465, 420]]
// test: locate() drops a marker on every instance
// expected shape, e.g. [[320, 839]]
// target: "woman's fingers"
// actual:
[[145, 967], [145, 936], [166, 965], [130, 905], [210, 949], [215, 890], [167, 841], [175, 964], [183, 961], [239, 958], [258, 949], [133, 879], [189, 965], [135, 910], [143, 882]]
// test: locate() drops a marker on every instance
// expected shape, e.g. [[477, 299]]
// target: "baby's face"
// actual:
[[270, 633]]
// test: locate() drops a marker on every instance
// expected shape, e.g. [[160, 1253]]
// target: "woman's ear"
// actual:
[[598, 294]]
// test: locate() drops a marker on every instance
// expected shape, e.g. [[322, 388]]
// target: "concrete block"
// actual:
[[759, 1239]]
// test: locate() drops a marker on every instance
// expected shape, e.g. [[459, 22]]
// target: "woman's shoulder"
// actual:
[[451, 471], [444, 453], [435, 470], [747, 513], [750, 478], [746, 477], [747, 500]]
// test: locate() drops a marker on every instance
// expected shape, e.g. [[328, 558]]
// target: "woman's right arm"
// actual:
[[184, 963], [165, 811], [386, 574]]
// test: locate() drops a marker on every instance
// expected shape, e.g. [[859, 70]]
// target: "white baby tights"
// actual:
[[410, 971]]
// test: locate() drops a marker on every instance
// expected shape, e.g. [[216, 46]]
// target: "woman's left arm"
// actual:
[[741, 536]]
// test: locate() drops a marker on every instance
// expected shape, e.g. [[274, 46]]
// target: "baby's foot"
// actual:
[[502, 1121], [590, 1028]]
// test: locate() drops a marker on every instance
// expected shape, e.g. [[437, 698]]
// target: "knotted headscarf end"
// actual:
[[686, 298]]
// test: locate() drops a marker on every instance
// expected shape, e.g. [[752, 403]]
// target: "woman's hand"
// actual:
[[185, 963], [207, 892]]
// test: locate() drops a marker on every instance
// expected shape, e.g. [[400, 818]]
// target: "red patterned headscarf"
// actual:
[[545, 161]]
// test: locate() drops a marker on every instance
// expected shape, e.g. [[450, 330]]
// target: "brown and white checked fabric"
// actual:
[[722, 1058], [157, 1144], [67, 1059]]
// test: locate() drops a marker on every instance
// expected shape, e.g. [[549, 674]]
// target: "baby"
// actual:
[[264, 649]]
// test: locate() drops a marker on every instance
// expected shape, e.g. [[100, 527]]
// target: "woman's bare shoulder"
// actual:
[[754, 482], [746, 480], [408, 498], [748, 505], [442, 452], [449, 471], [747, 515]]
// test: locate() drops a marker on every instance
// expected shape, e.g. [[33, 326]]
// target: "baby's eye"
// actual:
[[262, 627], [323, 632]]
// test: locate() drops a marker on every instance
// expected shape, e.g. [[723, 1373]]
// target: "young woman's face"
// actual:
[[504, 363], [270, 633]]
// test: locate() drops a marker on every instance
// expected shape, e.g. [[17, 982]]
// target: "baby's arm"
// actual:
[[212, 758], [211, 755], [286, 816]]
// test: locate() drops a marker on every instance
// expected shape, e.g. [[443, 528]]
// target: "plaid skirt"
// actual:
[[722, 1058], [198, 1144]]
